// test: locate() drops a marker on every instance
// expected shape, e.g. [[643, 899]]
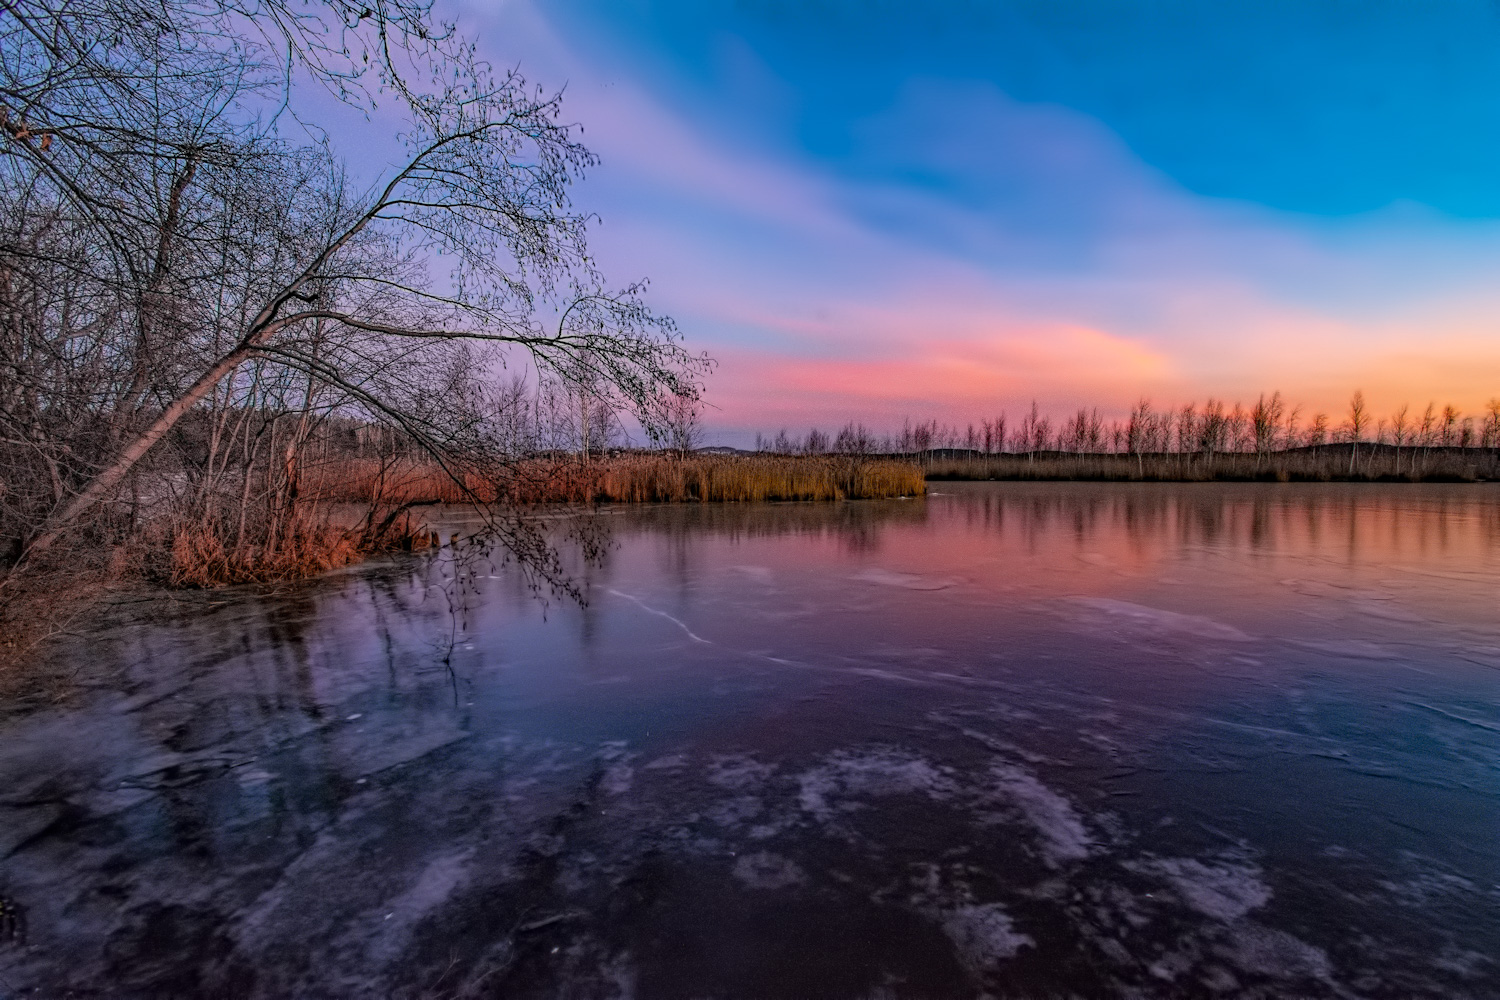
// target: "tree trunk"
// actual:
[[134, 452]]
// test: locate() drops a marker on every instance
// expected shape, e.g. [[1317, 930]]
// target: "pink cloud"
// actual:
[[819, 312]]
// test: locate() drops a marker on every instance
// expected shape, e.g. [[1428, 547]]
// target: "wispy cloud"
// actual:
[[970, 252]]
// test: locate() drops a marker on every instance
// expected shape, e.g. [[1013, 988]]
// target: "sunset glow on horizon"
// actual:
[[876, 212]]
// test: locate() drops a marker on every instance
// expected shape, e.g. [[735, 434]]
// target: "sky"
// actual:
[[877, 210]]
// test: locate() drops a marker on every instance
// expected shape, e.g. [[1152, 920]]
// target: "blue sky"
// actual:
[[870, 210], [1329, 109]]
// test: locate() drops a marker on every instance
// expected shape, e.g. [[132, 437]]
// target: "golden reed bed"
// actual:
[[330, 513], [628, 479]]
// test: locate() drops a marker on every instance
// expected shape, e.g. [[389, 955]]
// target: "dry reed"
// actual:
[[210, 551], [343, 511], [629, 478], [205, 554], [749, 478]]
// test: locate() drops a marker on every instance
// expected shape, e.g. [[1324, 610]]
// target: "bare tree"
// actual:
[[1449, 421], [1033, 433], [1291, 436], [921, 437], [1400, 426], [679, 427], [1137, 433], [1187, 424], [1359, 420], [1265, 419], [167, 255], [856, 439], [1213, 428], [1429, 418], [1317, 433]]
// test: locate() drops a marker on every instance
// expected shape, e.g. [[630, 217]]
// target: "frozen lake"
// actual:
[[1015, 740]]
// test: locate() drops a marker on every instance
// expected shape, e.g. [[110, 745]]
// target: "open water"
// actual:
[[1011, 740]]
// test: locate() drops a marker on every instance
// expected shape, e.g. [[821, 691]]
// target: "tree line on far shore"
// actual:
[[1216, 427]]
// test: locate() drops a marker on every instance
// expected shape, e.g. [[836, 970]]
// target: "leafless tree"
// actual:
[[1400, 428], [854, 439], [1317, 433], [1449, 421], [1265, 419], [1137, 432], [1034, 433], [1291, 434], [1213, 428], [189, 299], [1359, 420], [1187, 424], [679, 426], [921, 437]]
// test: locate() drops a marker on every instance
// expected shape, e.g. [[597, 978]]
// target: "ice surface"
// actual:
[[1224, 890], [983, 935], [1062, 833], [942, 788], [764, 870], [906, 581], [1141, 616]]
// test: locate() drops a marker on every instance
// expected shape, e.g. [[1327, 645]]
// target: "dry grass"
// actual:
[[78, 583], [747, 478], [202, 554], [629, 478], [402, 482]]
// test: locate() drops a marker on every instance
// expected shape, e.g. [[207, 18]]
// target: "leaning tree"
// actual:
[[173, 233]]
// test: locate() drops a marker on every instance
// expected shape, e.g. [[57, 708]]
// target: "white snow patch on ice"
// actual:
[[983, 935], [1141, 616], [879, 772], [1270, 952], [760, 574], [764, 870], [617, 779], [908, 581], [738, 772], [1063, 835], [1222, 890]]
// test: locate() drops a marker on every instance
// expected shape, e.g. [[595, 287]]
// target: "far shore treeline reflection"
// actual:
[[1135, 522]]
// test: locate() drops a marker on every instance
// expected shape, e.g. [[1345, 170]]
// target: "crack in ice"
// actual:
[[656, 611]]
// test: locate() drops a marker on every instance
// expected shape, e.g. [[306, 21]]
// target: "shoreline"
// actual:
[[1365, 463]]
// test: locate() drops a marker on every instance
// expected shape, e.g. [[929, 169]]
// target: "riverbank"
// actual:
[[346, 509], [1322, 464], [342, 510]]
